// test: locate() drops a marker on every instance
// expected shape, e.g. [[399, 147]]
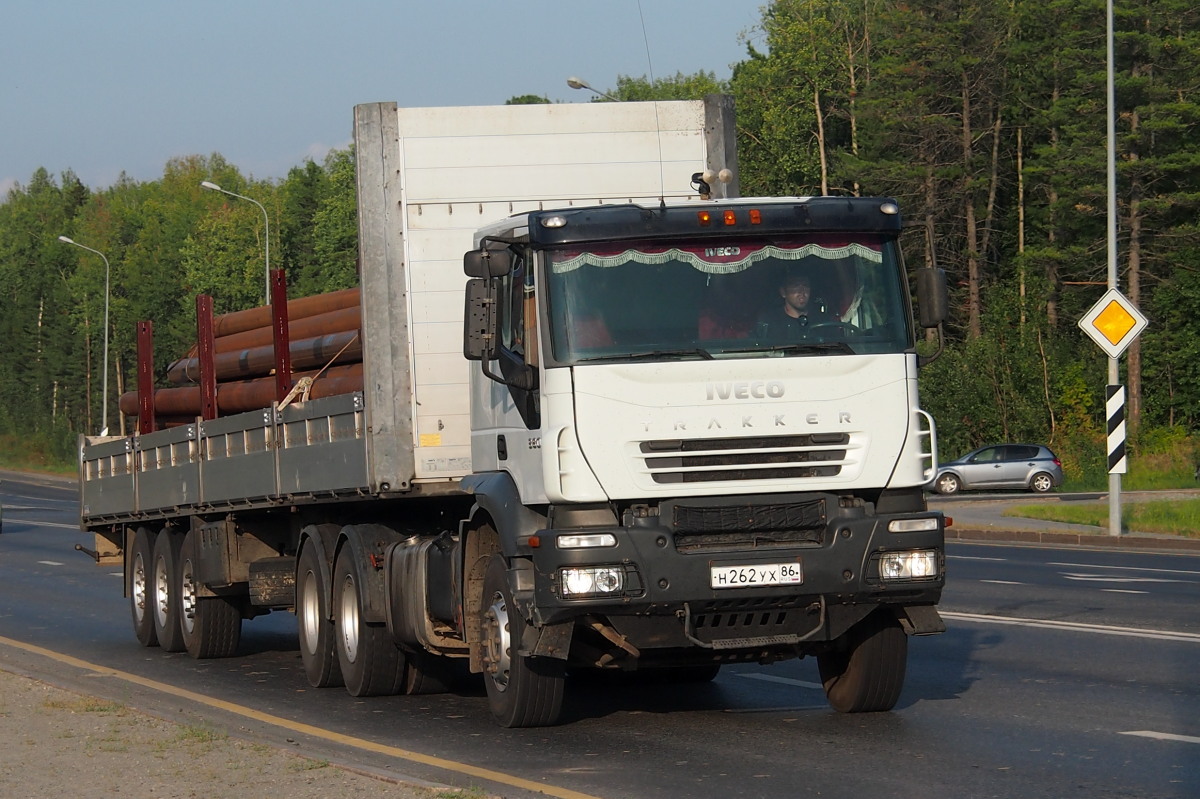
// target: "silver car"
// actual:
[[1030, 466]]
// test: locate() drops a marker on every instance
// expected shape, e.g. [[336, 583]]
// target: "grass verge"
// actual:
[[1172, 517]]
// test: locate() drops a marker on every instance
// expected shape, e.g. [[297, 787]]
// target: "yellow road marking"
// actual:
[[304, 729]]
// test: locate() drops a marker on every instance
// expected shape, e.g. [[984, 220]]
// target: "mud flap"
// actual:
[[921, 620]]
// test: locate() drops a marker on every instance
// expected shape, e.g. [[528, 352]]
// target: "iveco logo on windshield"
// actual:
[[755, 389], [718, 252]]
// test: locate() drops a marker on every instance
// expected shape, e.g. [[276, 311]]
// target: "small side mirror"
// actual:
[[487, 263], [932, 298]]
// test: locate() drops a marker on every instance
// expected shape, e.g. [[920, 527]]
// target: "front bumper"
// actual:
[[672, 572]]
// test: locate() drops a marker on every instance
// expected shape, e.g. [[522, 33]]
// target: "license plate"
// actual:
[[756, 575]]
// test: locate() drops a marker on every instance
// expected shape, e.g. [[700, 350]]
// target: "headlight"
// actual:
[[919, 564], [591, 581]]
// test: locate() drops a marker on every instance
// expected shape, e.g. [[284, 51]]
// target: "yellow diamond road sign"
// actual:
[[1113, 323]]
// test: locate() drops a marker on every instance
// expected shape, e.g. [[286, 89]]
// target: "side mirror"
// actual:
[[487, 263], [932, 298]]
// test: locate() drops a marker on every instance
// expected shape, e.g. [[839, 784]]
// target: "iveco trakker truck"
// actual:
[[617, 442]]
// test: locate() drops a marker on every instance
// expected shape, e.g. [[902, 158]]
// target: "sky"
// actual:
[[104, 88]]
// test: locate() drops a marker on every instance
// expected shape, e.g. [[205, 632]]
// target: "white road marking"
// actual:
[[1002, 582], [1078, 627], [783, 680], [1102, 578], [1125, 568], [1164, 736], [968, 557], [1122, 591], [49, 563], [42, 524]]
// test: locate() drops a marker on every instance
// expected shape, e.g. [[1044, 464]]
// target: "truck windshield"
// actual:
[[817, 295]]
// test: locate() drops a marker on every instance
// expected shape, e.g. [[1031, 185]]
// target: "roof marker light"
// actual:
[[704, 217], [730, 217], [554, 221], [755, 216], [891, 209]]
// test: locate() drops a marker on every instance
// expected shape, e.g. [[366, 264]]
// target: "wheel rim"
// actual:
[[348, 618], [310, 611], [1041, 483], [139, 587], [162, 589], [948, 485], [498, 642], [187, 597]]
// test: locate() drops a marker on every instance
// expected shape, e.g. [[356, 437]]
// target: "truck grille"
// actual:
[[706, 460], [716, 528]]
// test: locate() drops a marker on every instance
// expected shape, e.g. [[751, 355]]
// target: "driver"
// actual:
[[798, 311]]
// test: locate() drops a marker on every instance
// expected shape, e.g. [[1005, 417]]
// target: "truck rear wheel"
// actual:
[[316, 627], [139, 589], [866, 674], [211, 626], [523, 691], [165, 591], [371, 663]]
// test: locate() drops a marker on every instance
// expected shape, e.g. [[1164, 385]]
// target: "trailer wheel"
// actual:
[[316, 628], [866, 674], [211, 626], [523, 691], [139, 590], [165, 591], [371, 663]]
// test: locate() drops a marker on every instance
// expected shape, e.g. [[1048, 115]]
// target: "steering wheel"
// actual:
[[845, 328]]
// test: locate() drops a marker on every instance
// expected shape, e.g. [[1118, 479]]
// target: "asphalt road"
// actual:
[[1065, 672]]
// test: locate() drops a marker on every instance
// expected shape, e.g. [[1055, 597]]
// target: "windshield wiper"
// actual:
[[653, 354], [838, 347]]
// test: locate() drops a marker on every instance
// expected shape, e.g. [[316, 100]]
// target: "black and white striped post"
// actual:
[[1115, 411], [1113, 323]]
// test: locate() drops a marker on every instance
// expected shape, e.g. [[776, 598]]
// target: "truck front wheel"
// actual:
[[523, 691], [370, 661], [865, 673]]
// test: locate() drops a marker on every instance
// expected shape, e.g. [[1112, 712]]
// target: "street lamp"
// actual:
[[104, 390], [207, 184], [580, 83]]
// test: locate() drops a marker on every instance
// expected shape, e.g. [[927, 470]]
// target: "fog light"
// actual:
[[928, 524], [920, 564], [591, 581]]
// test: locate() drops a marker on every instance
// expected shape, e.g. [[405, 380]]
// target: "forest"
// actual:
[[986, 121]]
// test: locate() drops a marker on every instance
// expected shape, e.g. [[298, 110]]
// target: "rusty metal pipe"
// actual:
[[309, 353], [324, 324], [252, 318], [246, 395]]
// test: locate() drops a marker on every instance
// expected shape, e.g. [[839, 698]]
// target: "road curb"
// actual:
[[1036, 537]]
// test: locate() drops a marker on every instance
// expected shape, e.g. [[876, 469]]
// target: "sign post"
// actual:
[[1113, 323]]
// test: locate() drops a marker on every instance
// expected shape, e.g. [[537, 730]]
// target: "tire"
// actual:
[[866, 674], [522, 691], [1041, 483], [139, 587], [165, 591], [425, 673], [948, 484], [211, 626], [316, 627], [370, 661]]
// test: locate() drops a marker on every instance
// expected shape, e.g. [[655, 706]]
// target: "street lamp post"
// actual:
[[104, 382], [208, 184], [580, 83]]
